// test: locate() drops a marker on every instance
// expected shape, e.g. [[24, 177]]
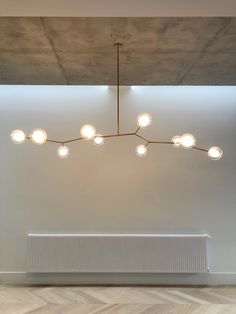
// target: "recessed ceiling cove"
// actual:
[[80, 51]]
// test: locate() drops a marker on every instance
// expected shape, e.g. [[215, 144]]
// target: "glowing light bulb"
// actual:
[[98, 140], [63, 151], [143, 120], [215, 153], [38, 136], [141, 150], [18, 136], [176, 141], [188, 140], [88, 131]]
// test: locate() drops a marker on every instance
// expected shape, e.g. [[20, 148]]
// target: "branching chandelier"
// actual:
[[88, 132]]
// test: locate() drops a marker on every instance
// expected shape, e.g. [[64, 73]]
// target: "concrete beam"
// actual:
[[156, 51], [118, 8]]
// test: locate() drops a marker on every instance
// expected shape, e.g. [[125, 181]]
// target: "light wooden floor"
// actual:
[[122, 300]]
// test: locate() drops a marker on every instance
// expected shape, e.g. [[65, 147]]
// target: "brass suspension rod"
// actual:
[[118, 45]]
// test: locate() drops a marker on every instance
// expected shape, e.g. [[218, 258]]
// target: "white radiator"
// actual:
[[124, 253]]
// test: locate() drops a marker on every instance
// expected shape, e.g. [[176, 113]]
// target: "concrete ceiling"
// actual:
[[157, 51]]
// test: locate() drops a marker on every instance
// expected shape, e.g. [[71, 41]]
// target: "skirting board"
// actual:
[[213, 278]]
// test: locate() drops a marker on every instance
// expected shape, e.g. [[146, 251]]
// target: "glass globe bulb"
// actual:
[[88, 131], [17, 136], [38, 136], [215, 153], [144, 119], [98, 140], [176, 141], [141, 150], [188, 140], [63, 151]]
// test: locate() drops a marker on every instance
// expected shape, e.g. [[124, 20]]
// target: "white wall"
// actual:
[[108, 188]]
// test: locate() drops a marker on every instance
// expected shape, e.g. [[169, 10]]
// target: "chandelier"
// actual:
[[88, 132]]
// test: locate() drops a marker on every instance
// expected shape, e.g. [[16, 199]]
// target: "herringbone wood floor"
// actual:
[[120, 300]]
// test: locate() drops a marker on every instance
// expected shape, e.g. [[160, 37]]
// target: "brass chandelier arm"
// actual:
[[137, 130], [161, 142], [120, 135], [143, 138], [117, 135], [73, 140], [53, 141], [49, 140], [201, 149]]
